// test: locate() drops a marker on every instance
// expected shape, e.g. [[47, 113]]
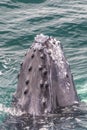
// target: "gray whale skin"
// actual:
[[45, 82]]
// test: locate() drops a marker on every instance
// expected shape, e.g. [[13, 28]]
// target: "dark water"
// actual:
[[20, 21]]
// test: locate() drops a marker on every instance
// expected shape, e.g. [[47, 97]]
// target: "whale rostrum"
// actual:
[[45, 81]]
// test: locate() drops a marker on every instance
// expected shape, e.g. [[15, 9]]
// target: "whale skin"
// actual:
[[45, 81]]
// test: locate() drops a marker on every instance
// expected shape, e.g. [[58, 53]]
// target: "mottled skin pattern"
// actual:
[[45, 81]]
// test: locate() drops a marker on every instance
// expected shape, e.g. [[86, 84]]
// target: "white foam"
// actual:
[[9, 110]]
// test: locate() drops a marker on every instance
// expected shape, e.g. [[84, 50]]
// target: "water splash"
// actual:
[[10, 110]]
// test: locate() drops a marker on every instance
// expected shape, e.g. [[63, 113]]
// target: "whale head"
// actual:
[[45, 81]]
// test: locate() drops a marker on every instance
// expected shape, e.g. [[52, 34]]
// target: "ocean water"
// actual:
[[20, 22]]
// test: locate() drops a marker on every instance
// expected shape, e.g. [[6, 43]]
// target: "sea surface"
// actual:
[[20, 22]]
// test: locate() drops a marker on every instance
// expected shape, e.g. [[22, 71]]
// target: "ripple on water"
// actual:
[[20, 21]]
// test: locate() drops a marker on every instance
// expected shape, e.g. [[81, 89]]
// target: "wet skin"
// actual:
[[45, 82]]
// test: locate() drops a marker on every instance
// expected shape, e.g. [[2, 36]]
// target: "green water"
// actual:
[[22, 20]]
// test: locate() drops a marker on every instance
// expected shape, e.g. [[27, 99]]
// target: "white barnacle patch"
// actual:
[[57, 42], [68, 86], [41, 38], [58, 56], [65, 74], [37, 46], [45, 111], [44, 100], [51, 41]]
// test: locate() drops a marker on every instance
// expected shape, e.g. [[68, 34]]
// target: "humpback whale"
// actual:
[[45, 81]]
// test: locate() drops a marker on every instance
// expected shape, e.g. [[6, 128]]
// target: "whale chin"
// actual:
[[45, 82]]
